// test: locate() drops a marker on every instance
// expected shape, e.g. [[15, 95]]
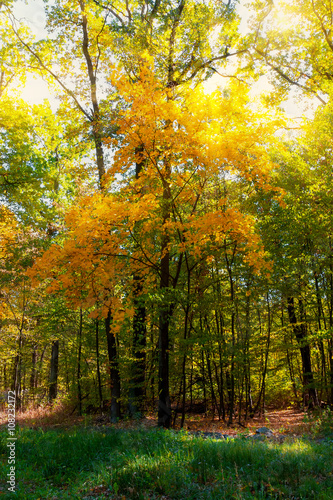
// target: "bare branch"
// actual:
[[49, 71]]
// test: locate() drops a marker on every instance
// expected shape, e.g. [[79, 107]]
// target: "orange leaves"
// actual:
[[193, 154], [8, 227], [209, 233], [212, 134]]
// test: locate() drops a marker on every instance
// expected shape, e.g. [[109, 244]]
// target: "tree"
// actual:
[[181, 145], [294, 41]]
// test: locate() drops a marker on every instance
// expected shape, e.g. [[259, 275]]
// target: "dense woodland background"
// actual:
[[162, 246]]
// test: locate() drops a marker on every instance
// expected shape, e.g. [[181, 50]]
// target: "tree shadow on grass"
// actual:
[[175, 465]]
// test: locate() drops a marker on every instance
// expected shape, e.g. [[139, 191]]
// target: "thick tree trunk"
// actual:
[[114, 370], [299, 330], [53, 387]]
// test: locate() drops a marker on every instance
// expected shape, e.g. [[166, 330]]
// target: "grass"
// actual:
[[155, 464]]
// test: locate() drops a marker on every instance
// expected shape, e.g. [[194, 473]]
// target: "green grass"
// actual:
[[155, 464]]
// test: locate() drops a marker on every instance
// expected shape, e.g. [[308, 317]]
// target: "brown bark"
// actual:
[[96, 120], [100, 395], [137, 391], [79, 389], [53, 388], [299, 330], [114, 370], [164, 405]]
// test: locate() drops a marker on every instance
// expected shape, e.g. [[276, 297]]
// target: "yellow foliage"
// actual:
[[8, 226], [187, 146]]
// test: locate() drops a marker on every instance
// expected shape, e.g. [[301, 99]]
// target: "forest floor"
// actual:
[[290, 421], [63, 456]]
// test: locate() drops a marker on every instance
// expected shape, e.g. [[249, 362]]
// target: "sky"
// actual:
[[32, 14], [36, 90]]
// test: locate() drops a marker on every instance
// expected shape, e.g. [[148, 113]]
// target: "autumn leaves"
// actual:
[[197, 146]]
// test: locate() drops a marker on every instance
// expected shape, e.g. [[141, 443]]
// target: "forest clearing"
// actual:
[[166, 252], [66, 456]]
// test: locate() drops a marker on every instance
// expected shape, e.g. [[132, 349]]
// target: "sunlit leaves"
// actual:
[[189, 144]]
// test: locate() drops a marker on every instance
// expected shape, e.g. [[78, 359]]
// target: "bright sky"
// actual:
[[36, 89]]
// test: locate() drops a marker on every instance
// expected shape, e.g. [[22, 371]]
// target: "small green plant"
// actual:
[[321, 422]]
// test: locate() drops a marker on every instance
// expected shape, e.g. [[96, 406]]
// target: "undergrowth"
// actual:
[[118, 464], [321, 422]]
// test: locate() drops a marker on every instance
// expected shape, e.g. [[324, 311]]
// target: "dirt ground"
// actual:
[[289, 421]]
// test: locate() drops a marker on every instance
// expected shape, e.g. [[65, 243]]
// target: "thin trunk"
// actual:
[[320, 342], [186, 330], [33, 376], [218, 383], [137, 391], [78, 378], [204, 380], [184, 391], [222, 405], [53, 388], [330, 307], [191, 381], [100, 394], [17, 375], [233, 335], [66, 368], [299, 330], [5, 388], [213, 397], [40, 364], [114, 370], [164, 406], [290, 363], [261, 398], [220, 330], [96, 120], [177, 404]]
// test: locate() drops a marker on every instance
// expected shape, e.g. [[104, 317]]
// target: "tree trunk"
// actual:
[[100, 394], [229, 263], [164, 406], [299, 330], [330, 307], [95, 119], [137, 390], [53, 388], [261, 397], [17, 375], [33, 376], [114, 370], [79, 389]]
